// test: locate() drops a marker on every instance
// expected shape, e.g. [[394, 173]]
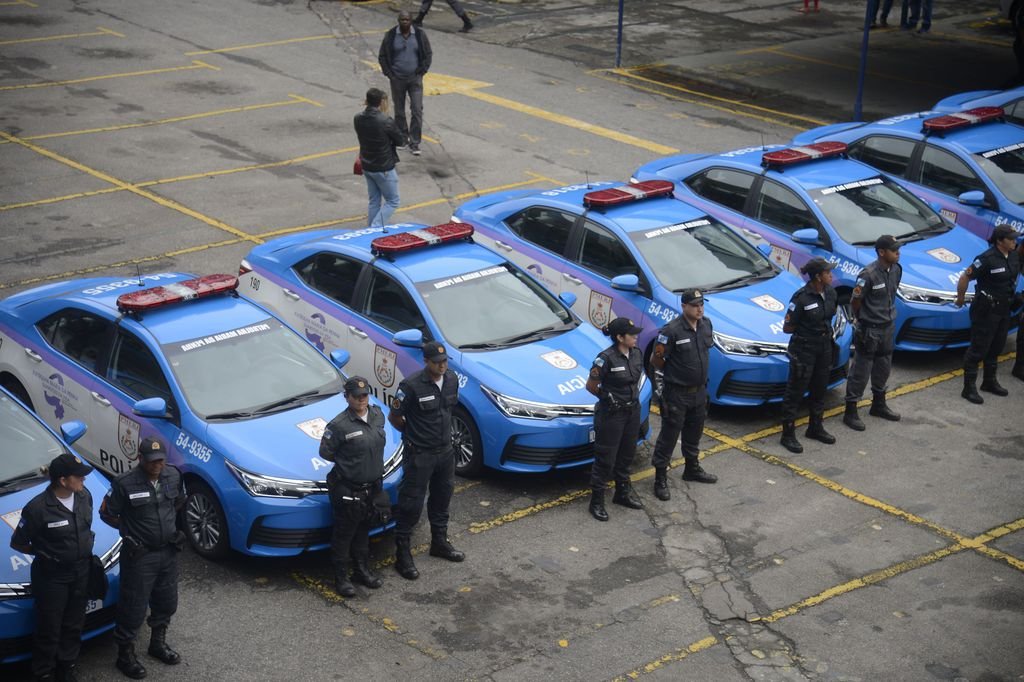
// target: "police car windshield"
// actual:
[[1005, 166], [699, 253], [237, 373], [26, 444], [494, 307], [863, 210]]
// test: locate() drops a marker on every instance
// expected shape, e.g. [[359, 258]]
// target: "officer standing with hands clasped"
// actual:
[[615, 380], [56, 527], [995, 272], [354, 441], [143, 504], [873, 303], [422, 411]]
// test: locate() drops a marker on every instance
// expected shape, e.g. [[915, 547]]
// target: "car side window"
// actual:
[[888, 154], [332, 275], [602, 253], [944, 172], [134, 369], [723, 186], [783, 209], [546, 227], [1015, 112], [80, 335], [391, 306]]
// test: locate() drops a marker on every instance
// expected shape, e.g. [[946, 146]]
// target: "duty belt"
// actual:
[[874, 325], [679, 388]]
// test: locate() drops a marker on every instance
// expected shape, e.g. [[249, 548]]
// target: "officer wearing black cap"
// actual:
[[995, 272], [809, 321], [56, 527], [615, 380], [143, 504], [873, 304], [422, 411], [354, 441], [681, 354]]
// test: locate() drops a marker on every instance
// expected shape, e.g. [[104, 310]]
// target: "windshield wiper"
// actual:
[[729, 283], [287, 401], [477, 346], [230, 415], [20, 478], [535, 334]]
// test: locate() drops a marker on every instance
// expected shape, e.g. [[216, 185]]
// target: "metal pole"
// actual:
[[618, 42], [869, 16]]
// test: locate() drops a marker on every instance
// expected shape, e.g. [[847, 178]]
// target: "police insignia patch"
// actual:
[[396, 404]]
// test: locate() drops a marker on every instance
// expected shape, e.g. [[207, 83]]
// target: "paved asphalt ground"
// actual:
[[176, 135]]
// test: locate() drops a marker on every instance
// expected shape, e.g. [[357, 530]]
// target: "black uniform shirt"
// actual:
[[146, 511], [876, 289], [686, 351], [996, 274], [427, 410], [53, 531], [811, 313], [355, 446], [618, 374]]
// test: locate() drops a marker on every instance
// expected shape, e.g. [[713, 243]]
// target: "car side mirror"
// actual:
[[154, 408], [626, 283], [973, 198], [72, 431], [568, 298], [340, 357], [409, 338], [807, 235]]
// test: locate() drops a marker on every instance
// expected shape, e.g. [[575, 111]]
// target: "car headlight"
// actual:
[[737, 346], [527, 409], [839, 323], [931, 296], [259, 485], [395, 460]]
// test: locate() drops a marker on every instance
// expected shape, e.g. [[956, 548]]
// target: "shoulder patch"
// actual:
[[599, 361], [662, 339], [792, 306], [976, 263], [861, 282], [327, 434]]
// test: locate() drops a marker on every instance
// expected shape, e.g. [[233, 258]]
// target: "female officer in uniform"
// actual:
[[56, 526], [615, 380], [809, 320]]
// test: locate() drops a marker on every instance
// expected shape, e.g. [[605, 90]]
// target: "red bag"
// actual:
[[357, 167]]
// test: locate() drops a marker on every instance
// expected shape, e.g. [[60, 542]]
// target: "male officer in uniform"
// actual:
[[56, 526], [681, 353], [354, 441], [422, 411], [143, 504], [873, 303], [995, 271]]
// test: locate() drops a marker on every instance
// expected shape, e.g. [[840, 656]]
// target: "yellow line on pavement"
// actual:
[[676, 655], [101, 32], [13, 3], [973, 39], [196, 64], [887, 75], [286, 41]]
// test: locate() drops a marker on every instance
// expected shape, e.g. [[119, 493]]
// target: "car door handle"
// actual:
[[503, 245], [34, 355], [571, 278], [290, 294], [100, 399], [358, 332]]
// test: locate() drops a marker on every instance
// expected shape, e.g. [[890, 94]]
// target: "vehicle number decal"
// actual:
[[190, 445], [1003, 220], [661, 312]]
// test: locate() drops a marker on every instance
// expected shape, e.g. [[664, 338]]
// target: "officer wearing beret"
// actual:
[[873, 303], [681, 353], [809, 321], [615, 380], [422, 411], [56, 527], [143, 504], [354, 441], [995, 272]]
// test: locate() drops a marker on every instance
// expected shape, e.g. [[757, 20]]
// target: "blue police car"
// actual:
[[970, 164], [240, 398], [1010, 101], [28, 446], [629, 250], [521, 355], [813, 202]]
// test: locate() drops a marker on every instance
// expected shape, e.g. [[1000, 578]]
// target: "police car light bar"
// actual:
[[178, 292], [623, 194], [809, 152], [415, 239], [962, 119]]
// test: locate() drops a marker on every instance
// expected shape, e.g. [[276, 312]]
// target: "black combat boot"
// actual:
[[693, 471], [127, 662], [403, 560], [990, 384], [418, 21], [851, 418], [970, 392], [66, 672], [467, 25], [364, 575], [342, 583], [597, 509], [816, 430], [626, 496], [789, 440], [661, 490], [441, 546], [158, 648], [879, 408]]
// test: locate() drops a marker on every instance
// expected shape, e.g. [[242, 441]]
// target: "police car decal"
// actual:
[[357, 233], [600, 309], [669, 229], [661, 312], [845, 266], [469, 276], [769, 303], [949, 215], [192, 446], [1002, 150], [138, 282], [385, 362], [575, 188], [576, 383], [128, 436], [314, 428], [780, 256], [943, 254], [851, 185], [224, 336], [904, 117], [559, 359], [58, 396], [1003, 220], [12, 518], [748, 150], [317, 331]]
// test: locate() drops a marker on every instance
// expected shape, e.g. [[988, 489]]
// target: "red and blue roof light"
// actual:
[[808, 152], [177, 292]]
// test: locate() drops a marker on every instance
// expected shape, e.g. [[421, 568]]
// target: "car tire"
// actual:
[[17, 390], [205, 524], [469, 454]]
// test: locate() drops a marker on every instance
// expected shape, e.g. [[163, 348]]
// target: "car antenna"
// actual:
[[763, 146], [586, 174], [138, 273]]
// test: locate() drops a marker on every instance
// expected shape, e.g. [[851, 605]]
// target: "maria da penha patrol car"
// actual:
[[239, 398], [521, 355], [629, 250], [28, 446], [812, 201]]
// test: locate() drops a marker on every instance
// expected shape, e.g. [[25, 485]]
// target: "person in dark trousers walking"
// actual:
[[809, 320], [422, 411], [873, 304], [354, 441], [379, 138], [681, 354], [143, 504], [456, 6], [615, 381], [56, 527], [405, 58], [995, 272]]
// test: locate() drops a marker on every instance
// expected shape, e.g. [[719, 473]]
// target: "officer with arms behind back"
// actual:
[[56, 526], [143, 504], [422, 411], [681, 353], [873, 304], [354, 441], [996, 271]]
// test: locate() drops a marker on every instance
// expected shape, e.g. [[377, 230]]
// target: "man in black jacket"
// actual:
[[404, 58], [378, 138]]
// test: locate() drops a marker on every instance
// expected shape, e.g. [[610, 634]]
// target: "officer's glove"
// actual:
[[178, 540]]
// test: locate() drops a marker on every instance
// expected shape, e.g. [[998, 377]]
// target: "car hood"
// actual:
[[753, 312], [936, 262]]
